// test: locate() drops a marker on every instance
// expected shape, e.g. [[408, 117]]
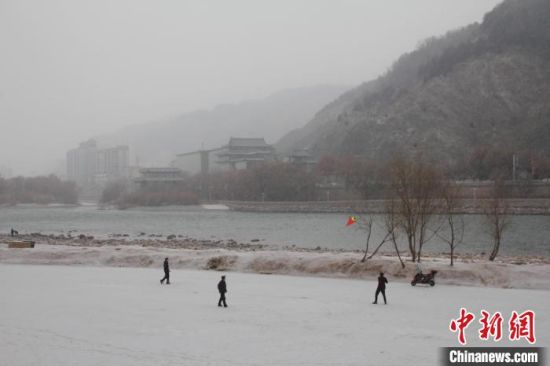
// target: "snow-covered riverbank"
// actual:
[[61, 315], [510, 272]]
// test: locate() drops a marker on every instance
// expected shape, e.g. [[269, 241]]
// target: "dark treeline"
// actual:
[[41, 190], [276, 181], [333, 178], [119, 193], [489, 163]]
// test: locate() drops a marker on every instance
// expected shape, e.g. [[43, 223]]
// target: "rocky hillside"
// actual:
[[483, 86], [156, 143]]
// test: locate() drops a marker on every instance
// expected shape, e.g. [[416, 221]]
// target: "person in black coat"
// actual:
[[166, 272], [381, 288], [222, 289]]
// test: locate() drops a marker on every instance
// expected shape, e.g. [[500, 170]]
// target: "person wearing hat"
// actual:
[[166, 272], [381, 288], [222, 289]]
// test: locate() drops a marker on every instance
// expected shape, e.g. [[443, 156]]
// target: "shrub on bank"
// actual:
[[40, 190]]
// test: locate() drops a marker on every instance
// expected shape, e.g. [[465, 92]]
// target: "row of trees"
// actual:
[[484, 163], [42, 190], [180, 193], [354, 176], [489, 162], [424, 201], [276, 181]]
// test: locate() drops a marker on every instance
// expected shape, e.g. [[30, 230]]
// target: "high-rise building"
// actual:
[[112, 163], [91, 167], [81, 163]]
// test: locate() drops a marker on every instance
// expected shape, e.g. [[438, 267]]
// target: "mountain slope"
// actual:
[[483, 85], [156, 143]]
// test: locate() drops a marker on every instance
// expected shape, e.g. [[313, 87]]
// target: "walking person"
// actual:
[[166, 272], [222, 289], [381, 288]]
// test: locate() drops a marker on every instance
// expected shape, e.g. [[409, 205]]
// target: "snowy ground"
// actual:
[[67, 315]]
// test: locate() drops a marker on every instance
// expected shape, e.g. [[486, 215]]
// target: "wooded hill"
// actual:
[[469, 99]]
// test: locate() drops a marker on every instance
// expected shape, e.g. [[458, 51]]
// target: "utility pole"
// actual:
[[514, 166], [205, 179]]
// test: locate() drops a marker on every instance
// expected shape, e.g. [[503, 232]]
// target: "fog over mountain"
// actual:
[[73, 69], [156, 143]]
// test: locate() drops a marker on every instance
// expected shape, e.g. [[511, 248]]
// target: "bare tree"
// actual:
[[366, 225], [496, 213], [383, 241], [455, 222], [391, 228], [417, 186], [390, 235]]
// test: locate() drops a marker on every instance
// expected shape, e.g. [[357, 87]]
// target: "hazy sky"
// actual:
[[70, 69]]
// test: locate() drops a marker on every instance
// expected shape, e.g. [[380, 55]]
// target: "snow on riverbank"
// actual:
[[61, 315], [513, 273]]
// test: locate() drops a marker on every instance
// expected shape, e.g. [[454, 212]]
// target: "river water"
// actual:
[[527, 235]]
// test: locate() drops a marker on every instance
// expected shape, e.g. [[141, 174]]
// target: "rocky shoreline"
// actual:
[[145, 240], [184, 242]]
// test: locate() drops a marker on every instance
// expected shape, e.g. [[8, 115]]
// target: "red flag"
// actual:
[[351, 220]]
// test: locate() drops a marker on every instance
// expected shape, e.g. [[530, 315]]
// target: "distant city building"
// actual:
[[81, 163], [239, 153], [159, 176], [195, 162], [303, 159], [244, 153], [112, 164], [91, 167]]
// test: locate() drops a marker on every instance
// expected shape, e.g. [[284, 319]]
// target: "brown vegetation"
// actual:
[[277, 181], [162, 194], [41, 190], [418, 187]]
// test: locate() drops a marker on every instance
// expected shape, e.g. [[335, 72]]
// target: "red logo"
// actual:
[[461, 324], [519, 326], [491, 326], [522, 326]]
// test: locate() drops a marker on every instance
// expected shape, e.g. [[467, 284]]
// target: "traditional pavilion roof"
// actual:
[[247, 142]]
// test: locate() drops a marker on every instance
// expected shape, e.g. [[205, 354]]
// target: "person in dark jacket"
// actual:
[[381, 288], [166, 272], [222, 289]]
